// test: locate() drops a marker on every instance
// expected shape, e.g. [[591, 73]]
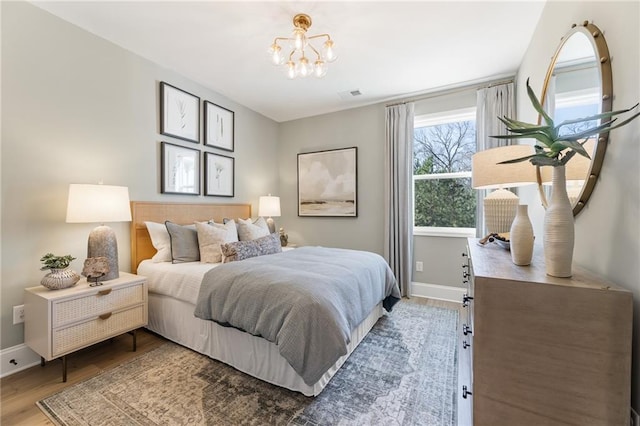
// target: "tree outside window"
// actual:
[[442, 149]]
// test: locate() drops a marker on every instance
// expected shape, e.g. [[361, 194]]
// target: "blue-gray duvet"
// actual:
[[307, 301]]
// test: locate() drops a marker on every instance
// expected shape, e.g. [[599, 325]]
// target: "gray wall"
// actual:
[[78, 109], [607, 230], [362, 128]]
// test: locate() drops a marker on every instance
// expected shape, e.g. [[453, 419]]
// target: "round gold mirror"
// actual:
[[578, 84]]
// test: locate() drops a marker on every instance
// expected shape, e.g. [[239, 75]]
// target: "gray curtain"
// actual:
[[398, 193], [492, 102]]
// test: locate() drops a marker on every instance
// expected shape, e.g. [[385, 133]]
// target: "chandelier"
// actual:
[[304, 58]]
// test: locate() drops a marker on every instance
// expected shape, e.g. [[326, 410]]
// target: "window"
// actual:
[[444, 201]]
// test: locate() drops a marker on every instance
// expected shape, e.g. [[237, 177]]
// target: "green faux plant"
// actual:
[[50, 261], [552, 147]]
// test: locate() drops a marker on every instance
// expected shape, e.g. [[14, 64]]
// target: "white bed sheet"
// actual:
[[178, 280], [172, 295]]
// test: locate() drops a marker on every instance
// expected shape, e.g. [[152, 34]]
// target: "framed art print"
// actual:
[[218, 126], [218, 175], [179, 113], [180, 170], [328, 183]]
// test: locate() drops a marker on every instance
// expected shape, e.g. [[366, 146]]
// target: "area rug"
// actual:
[[402, 373]]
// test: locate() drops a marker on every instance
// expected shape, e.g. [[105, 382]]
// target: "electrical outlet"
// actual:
[[635, 418], [18, 314], [419, 266]]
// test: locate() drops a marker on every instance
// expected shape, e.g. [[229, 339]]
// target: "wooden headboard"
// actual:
[[180, 213]]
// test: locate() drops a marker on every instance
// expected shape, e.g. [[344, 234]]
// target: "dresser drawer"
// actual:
[[107, 300], [77, 336]]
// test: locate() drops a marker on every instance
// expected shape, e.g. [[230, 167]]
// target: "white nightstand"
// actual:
[[59, 322]]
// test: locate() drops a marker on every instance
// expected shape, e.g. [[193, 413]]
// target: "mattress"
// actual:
[[173, 290]]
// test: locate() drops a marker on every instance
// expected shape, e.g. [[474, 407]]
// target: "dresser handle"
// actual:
[[466, 329], [465, 392], [105, 316], [465, 274], [465, 300], [465, 345], [464, 255], [104, 292]]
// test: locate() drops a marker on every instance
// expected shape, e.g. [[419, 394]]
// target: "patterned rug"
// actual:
[[402, 373]]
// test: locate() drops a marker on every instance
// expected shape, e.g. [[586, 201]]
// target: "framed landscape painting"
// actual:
[[219, 175], [328, 183], [179, 113]]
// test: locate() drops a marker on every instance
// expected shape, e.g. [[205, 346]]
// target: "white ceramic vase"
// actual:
[[521, 237], [60, 278], [558, 228]]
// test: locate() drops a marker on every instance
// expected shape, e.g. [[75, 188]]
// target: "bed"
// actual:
[[173, 295]]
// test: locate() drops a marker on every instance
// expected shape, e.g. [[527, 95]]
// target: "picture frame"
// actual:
[[179, 113], [180, 169], [328, 183], [219, 175], [219, 126]]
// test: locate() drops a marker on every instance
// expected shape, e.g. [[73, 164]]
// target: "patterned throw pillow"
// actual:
[[241, 250], [248, 230], [211, 235]]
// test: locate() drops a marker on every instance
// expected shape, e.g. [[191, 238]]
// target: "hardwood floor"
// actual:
[[20, 391]]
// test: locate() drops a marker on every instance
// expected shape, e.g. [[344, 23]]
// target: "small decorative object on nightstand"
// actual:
[[94, 269], [284, 238], [61, 276]]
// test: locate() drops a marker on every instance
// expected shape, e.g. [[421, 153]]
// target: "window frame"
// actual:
[[437, 118]]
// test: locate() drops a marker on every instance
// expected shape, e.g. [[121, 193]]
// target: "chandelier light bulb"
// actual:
[[276, 54], [299, 40], [291, 70], [304, 67], [329, 51], [320, 69]]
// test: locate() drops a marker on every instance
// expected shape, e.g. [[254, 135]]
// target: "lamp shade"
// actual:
[[486, 173], [269, 206], [500, 205], [98, 204]]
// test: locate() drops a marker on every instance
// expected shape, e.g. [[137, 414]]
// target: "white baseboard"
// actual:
[[437, 291], [23, 356]]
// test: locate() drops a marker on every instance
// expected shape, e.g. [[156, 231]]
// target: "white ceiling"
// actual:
[[387, 50]]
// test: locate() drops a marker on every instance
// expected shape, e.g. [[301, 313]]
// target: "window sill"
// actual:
[[444, 232]]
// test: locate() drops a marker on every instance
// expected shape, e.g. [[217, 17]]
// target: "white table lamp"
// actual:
[[100, 204], [269, 206], [500, 205]]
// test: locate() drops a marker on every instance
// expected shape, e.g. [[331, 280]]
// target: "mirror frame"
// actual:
[[599, 44]]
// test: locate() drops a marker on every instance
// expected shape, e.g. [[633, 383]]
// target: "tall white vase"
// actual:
[[521, 237], [558, 228]]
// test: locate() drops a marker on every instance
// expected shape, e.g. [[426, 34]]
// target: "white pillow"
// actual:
[[248, 230], [211, 235], [160, 240]]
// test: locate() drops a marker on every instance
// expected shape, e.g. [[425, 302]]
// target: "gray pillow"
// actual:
[[241, 250], [184, 243]]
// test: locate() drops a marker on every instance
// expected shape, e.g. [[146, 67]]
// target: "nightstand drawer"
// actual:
[[105, 300], [77, 336]]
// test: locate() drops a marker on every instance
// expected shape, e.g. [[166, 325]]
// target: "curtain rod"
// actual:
[[445, 92]]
